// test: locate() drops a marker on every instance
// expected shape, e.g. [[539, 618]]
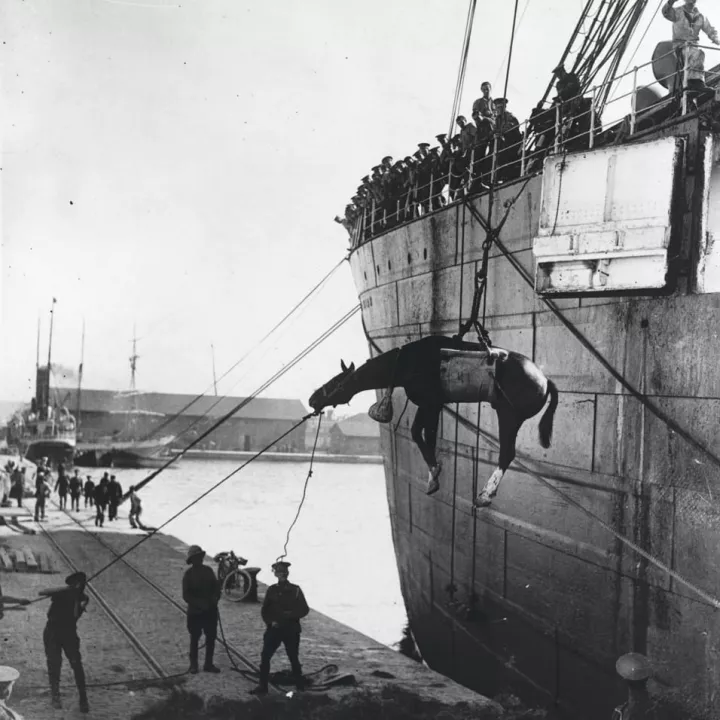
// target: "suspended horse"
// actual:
[[438, 370]]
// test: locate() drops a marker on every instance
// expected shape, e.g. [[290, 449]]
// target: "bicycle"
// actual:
[[235, 581]]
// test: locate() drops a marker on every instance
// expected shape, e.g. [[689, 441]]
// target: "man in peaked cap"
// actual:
[[67, 604], [201, 591], [635, 670], [8, 676], [282, 610]]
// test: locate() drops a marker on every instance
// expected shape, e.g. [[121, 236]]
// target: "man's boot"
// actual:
[[55, 696], [193, 655]]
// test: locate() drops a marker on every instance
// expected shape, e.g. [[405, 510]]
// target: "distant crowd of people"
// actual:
[[486, 149]]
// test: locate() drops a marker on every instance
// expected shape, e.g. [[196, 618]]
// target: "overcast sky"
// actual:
[[177, 167]]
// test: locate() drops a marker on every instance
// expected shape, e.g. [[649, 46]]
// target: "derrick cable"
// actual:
[[463, 64], [510, 50], [304, 492], [506, 59], [579, 506], [244, 357], [245, 401], [640, 397]]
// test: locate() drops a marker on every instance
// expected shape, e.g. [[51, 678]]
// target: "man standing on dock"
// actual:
[[282, 610], [101, 498], [89, 491], [135, 509], [76, 485], [201, 592], [114, 497], [61, 486], [67, 604], [42, 489]]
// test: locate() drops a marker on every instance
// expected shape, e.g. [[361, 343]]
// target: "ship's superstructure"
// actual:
[[604, 270]]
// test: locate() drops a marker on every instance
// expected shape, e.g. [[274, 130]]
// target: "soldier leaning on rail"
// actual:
[[67, 604], [201, 591], [283, 608]]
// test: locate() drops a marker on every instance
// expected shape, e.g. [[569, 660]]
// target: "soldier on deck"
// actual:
[[687, 22], [507, 129], [201, 591], [67, 604], [283, 608]]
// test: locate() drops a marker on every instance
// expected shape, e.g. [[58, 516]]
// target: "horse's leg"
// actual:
[[509, 427], [424, 433]]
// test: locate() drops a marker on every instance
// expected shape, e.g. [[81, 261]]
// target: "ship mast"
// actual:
[[80, 374], [212, 349], [132, 415]]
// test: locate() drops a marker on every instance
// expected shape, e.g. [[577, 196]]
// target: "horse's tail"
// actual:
[[546, 421]]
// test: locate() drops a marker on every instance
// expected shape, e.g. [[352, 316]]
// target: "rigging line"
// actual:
[[267, 335], [643, 399], [510, 51], [304, 492], [506, 58], [245, 401], [579, 506], [463, 64]]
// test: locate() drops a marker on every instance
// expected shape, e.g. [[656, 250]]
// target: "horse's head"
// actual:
[[334, 391]]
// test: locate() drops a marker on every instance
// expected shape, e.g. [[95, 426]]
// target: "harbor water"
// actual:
[[340, 548]]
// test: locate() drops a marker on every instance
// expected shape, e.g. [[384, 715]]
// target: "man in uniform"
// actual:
[[687, 22], [67, 604], [89, 490], [113, 498], [510, 139], [42, 489], [201, 591], [61, 486], [282, 610], [76, 484]]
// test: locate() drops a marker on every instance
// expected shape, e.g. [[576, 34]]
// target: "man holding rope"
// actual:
[[282, 610]]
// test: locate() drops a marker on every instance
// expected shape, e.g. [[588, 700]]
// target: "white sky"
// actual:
[[177, 166]]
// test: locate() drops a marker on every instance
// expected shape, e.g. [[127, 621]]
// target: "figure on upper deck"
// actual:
[[687, 22], [507, 129]]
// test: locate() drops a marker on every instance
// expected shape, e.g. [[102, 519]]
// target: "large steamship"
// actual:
[[605, 272]]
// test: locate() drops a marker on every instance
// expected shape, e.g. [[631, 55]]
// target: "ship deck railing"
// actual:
[[525, 158]]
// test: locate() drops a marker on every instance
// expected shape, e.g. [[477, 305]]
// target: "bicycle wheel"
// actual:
[[237, 585]]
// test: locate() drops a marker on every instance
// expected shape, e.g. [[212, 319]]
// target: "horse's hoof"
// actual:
[[482, 501], [432, 487]]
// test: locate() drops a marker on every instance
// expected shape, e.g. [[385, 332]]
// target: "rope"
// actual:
[[463, 65], [297, 306], [305, 487], [571, 501], [510, 51], [318, 341]]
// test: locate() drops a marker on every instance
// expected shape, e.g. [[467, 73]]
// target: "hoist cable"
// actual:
[[462, 66]]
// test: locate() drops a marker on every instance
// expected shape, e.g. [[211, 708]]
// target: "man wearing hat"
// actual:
[[282, 609], [507, 129], [8, 676], [42, 489], [201, 591], [67, 604]]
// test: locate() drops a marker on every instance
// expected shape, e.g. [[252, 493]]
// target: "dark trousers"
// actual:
[[134, 518], [99, 514], [58, 641], [112, 510], [197, 624], [40, 508], [272, 639], [63, 500], [75, 501], [89, 500]]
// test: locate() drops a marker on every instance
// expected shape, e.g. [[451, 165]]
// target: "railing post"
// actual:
[[685, 79], [494, 160], [471, 173], [522, 149], [450, 165], [431, 193], [557, 128], [633, 102], [364, 226], [372, 225], [592, 118]]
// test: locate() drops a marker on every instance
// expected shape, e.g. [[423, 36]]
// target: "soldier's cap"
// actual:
[[418, 155], [376, 168], [387, 159], [193, 550], [497, 101], [424, 145], [8, 674], [281, 565], [75, 578], [634, 667], [441, 137], [408, 159], [366, 178]]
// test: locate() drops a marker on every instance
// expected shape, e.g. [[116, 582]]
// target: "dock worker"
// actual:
[[62, 486], [201, 591], [8, 676], [76, 485], [687, 22], [114, 497], [67, 604], [101, 498], [135, 508], [17, 488], [89, 490], [283, 608], [42, 489]]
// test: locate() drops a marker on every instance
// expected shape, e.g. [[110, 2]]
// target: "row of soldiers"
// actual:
[[484, 150]]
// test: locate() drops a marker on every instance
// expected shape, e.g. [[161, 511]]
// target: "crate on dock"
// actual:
[[30, 562], [20, 562], [6, 564], [47, 563]]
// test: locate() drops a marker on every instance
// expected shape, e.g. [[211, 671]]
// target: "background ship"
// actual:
[[136, 445], [605, 272]]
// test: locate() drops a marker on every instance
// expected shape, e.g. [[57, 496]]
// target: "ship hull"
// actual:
[[123, 454], [56, 451], [533, 594]]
